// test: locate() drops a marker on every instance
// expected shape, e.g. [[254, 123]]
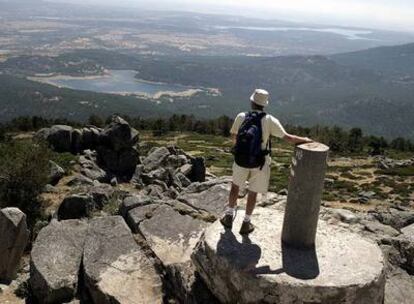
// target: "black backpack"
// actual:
[[248, 151]]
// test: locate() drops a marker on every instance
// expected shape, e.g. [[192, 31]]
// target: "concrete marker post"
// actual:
[[304, 195]]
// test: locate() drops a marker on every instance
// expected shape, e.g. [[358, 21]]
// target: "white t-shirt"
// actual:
[[270, 127]]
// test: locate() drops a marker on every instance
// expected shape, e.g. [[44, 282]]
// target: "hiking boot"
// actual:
[[227, 221], [246, 228]]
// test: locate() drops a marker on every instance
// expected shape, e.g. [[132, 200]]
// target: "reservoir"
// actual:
[[351, 34], [115, 82]]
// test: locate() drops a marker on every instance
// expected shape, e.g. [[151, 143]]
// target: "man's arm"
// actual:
[[233, 138], [276, 129], [293, 139]]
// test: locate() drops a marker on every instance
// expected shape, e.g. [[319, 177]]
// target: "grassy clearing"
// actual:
[[350, 174]]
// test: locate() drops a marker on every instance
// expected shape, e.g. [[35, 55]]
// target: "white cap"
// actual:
[[260, 97]]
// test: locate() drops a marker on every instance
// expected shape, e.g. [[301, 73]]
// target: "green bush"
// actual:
[[24, 170], [63, 159], [2, 133], [398, 171]]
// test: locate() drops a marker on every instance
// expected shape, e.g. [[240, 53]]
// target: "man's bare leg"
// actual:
[[233, 196], [247, 227], [251, 202], [227, 219]]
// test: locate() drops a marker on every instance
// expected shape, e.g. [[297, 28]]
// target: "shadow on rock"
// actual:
[[244, 255], [298, 263]]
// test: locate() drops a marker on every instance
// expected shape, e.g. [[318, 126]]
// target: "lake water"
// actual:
[[117, 82], [350, 34]]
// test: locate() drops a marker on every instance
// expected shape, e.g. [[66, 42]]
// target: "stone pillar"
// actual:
[[304, 196], [13, 240]]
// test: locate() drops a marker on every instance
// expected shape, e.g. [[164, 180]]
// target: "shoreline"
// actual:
[[186, 91], [48, 79]]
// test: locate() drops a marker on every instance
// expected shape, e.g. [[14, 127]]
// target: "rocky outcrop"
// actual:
[[59, 137], [88, 161], [115, 145], [172, 237], [13, 240], [378, 229], [198, 171], [403, 253], [55, 261], [55, 173], [397, 218], [116, 151], [118, 135], [399, 288], [80, 180], [155, 158], [171, 199], [172, 166], [63, 138], [134, 201], [75, 206], [90, 137], [389, 163], [408, 232], [121, 162], [115, 268], [212, 200], [259, 269], [101, 194], [137, 215]]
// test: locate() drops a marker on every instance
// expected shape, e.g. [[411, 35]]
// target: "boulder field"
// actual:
[[148, 233]]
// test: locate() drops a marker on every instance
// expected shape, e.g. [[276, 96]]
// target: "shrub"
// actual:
[[398, 171], [63, 159], [24, 170], [2, 133]]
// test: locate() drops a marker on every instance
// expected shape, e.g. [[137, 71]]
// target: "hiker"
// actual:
[[251, 133]]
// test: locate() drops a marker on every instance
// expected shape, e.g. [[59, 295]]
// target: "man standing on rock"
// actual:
[[251, 133]]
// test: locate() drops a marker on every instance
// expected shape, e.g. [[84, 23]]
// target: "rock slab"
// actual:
[[212, 200], [172, 237], [13, 240], [344, 268], [399, 288], [55, 261], [115, 268]]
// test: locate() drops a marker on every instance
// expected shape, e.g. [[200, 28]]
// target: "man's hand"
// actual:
[[297, 140], [306, 140]]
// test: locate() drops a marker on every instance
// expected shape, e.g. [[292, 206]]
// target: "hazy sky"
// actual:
[[391, 14]]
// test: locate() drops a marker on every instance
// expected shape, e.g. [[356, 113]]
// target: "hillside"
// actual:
[[305, 90], [20, 97], [398, 60]]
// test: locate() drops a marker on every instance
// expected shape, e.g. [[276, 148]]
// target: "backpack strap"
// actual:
[[268, 149]]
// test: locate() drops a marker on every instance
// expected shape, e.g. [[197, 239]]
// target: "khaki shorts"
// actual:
[[258, 179]]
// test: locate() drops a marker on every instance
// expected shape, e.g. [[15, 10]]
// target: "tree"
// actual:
[[24, 170], [96, 121], [2, 133], [377, 145], [159, 127], [224, 125], [400, 144], [337, 139], [173, 123], [355, 143]]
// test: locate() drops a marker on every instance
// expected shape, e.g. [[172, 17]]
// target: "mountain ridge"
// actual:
[[396, 59]]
